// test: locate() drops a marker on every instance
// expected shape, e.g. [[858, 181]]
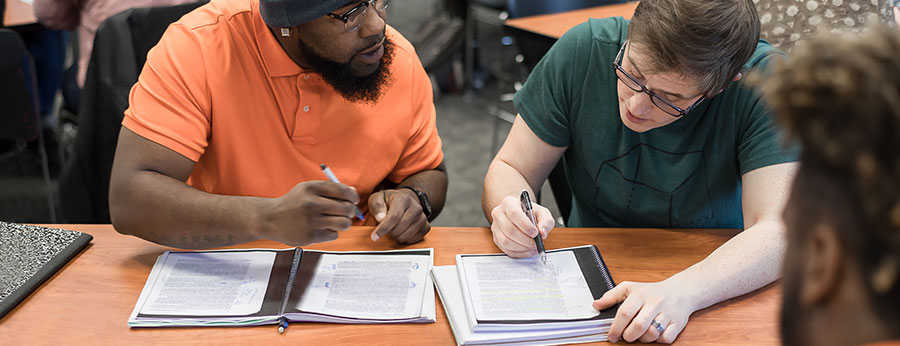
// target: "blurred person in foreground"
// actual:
[[840, 97]]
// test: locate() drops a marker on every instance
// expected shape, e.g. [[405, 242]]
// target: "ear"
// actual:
[[823, 268]]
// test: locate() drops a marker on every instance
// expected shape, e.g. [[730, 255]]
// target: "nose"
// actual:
[[639, 103], [373, 24]]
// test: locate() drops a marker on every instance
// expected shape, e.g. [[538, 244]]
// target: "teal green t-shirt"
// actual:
[[683, 175]]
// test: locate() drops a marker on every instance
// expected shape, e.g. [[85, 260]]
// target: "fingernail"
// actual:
[[375, 236], [379, 216]]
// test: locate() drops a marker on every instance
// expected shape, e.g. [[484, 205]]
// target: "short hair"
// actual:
[[840, 97], [709, 40]]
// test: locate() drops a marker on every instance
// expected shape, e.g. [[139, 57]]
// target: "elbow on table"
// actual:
[[122, 210]]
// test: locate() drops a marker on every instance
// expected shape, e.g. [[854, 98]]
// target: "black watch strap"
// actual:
[[423, 200]]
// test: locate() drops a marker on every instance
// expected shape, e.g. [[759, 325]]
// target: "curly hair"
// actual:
[[840, 97]]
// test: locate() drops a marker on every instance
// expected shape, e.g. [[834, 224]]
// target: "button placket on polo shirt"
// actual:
[[306, 121]]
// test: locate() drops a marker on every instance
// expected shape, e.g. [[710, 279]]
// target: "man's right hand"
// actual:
[[312, 212], [512, 229]]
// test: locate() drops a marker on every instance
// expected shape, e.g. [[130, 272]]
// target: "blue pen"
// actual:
[[282, 324], [334, 179]]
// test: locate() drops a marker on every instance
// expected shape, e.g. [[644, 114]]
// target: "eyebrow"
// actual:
[[633, 65]]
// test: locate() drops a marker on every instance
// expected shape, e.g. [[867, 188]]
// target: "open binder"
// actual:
[[493, 299], [262, 286]]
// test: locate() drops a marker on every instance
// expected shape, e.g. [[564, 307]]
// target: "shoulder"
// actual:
[[593, 40], [406, 68], [210, 30], [404, 52], [217, 16], [763, 57], [611, 30]]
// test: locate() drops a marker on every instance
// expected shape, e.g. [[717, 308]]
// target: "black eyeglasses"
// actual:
[[661, 103], [355, 16]]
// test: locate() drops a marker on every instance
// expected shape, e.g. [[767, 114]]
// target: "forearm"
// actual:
[[169, 212], [502, 180], [750, 260], [434, 184]]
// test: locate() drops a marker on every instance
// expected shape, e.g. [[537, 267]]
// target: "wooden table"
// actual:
[[88, 302], [536, 34], [18, 12], [555, 25]]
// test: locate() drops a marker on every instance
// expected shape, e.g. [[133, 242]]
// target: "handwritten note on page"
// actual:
[[504, 288]]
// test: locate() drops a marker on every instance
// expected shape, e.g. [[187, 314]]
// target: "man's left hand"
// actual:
[[642, 303], [399, 215]]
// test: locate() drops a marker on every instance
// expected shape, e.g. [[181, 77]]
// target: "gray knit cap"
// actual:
[[288, 13]]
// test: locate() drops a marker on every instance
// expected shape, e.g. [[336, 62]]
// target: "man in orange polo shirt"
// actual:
[[240, 103]]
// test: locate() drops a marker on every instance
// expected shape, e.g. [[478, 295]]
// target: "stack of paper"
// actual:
[[494, 299]]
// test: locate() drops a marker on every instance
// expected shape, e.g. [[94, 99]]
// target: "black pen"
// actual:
[[526, 207]]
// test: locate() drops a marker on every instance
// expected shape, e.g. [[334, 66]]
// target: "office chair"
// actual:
[[120, 50], [19, 120], [496, 12]]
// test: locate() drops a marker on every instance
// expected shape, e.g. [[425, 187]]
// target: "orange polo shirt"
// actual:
[[219, 90]]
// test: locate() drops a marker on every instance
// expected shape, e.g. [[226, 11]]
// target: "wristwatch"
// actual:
[[423, 200]]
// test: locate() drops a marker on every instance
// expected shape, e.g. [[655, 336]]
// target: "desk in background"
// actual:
[[18, 12], [536, 34], [88, 302]]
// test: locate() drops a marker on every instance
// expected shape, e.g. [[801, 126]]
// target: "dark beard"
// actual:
[[340, 76]]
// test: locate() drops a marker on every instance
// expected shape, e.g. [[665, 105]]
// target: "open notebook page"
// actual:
[[501, 288], [209, 283], [367, 286]]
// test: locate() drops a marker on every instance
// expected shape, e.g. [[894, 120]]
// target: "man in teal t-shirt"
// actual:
[[655, 129]]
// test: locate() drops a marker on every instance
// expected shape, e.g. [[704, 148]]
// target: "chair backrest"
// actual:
[[525, 8], [18, 95], [120, 50]]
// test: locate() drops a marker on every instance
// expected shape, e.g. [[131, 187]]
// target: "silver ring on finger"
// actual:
[[659, 327]]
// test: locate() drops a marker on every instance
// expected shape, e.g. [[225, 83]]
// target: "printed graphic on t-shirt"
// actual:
[[655, 188]]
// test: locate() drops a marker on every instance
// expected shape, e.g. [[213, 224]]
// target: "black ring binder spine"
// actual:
[[602, 266]]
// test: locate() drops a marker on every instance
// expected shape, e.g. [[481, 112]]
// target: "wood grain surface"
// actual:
[[88, 302]]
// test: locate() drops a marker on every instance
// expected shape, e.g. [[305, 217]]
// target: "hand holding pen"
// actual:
[[333, 178], [525, 199], [311, 212], [514, 231]]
